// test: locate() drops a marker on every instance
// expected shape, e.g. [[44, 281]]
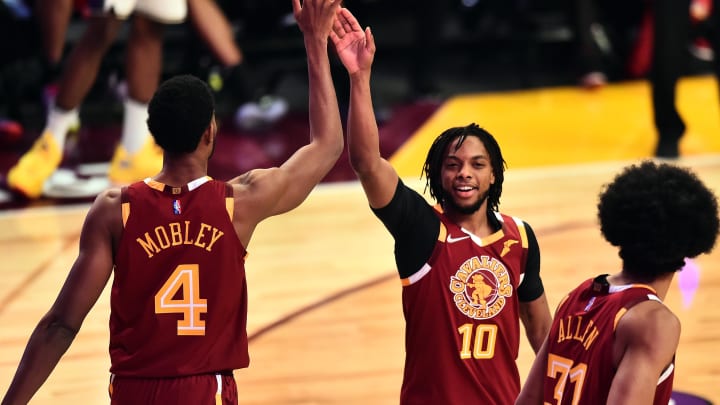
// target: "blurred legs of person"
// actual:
[[136, 155], [670, 39], [700, 12], [53, 18], [674, 21], [593, 44], [235, 77]]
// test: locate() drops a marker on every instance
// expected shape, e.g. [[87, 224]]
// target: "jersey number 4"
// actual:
[[181, 294]]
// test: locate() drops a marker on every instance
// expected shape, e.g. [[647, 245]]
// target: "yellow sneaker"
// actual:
[[126, 168], [35, 166]]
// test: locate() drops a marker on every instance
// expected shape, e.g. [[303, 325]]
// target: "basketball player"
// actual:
[[178, 243], [613, 340], [468, 272]]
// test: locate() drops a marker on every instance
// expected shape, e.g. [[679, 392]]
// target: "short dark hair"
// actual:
[[658, 214], [179, 112], [437, 153]]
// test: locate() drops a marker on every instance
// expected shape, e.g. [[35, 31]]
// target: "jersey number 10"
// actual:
[[483, 342]]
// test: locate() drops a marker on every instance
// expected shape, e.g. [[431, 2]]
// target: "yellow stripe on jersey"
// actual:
[[155, 185], [523, 232], [230, 207], [644, 286], [442, 235], [619, 315], [125, 209]]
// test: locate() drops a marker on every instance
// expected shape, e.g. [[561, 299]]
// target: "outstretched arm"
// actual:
[[307, 167], [356, 49], [267, 192], [85, 282]]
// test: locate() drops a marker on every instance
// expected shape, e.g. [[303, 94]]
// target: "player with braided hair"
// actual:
[[469, 272]]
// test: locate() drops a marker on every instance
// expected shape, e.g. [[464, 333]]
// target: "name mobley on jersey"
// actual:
[[178, 234]]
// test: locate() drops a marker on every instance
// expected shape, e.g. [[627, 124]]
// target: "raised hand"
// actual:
[[315, 17], [354, 47]]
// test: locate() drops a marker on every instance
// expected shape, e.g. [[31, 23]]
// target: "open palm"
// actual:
[[355, 47]]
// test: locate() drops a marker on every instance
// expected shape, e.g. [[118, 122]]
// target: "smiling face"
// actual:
[[467, 175]]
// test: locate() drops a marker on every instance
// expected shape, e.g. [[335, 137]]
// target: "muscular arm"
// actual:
[[646, 339], [266, 192], [307, 167], [84, 284], [356, 49], [535, 316]]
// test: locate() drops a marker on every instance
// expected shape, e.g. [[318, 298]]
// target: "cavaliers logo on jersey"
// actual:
[[480, 287]]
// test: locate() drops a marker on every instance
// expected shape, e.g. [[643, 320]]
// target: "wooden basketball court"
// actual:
[[325, 318]]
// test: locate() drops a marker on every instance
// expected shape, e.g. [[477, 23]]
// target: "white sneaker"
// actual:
[[701, 49], [267, 111], [66, 183]]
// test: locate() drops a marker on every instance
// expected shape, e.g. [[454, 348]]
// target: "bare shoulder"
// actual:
[[106, 210], [258, 186], [650, 324], [254, 177], [108, 199]]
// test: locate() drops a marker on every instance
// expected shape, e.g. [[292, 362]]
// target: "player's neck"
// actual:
[[476, 223], [660, 284], [181, 171]]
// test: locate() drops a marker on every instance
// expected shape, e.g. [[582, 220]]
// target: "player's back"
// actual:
[[580, 343], [178, 300]]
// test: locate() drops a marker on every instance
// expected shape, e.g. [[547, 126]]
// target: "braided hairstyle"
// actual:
[[658, 215], [438, 151]]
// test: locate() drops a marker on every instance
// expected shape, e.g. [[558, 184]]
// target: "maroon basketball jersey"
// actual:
[[178, 299], [461, 310], [580, 344]]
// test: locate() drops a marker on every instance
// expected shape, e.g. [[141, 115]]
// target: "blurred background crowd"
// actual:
[[428, 48], [61, 65]]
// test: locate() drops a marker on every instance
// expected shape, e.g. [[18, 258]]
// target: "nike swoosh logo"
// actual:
[[450, 239]]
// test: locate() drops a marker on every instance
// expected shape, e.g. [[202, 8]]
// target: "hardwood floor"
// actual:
[[325, 319]]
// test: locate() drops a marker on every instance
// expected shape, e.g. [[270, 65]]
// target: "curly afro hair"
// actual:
[[657, 215], [179, 112]]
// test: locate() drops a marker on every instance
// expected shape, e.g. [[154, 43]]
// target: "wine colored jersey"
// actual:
[[461, 309], [461, 296], [580, 369], [178, 298]]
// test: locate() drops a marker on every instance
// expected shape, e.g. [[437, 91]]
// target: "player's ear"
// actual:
[[211, 131]]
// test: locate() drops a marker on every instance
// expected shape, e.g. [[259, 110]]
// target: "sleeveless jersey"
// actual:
[[470, 285], [580, 369], [178, 298]]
